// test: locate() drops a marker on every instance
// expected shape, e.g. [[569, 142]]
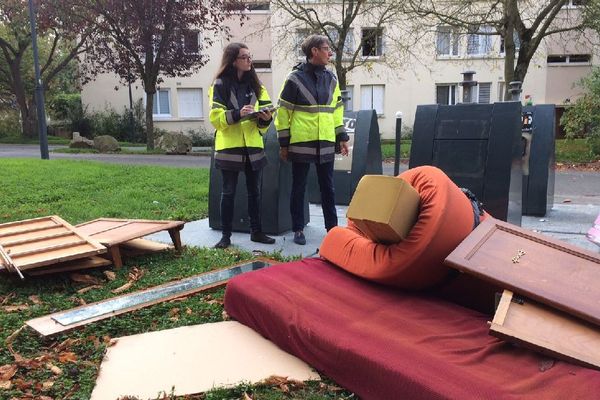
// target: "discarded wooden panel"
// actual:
[[110, 231], [548, 331], [191, 360], [66, 320], [143, 246], [43, 241], [73, 265], [114, 232], [549, 271]]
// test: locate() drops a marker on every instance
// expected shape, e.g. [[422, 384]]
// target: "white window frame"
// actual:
[[349, 48], [372, 106], [501, 87], [379, 43], [449, 86], [568, 61], [350, 91], [479, 92], [570, 4], [257, 3], [263, 70], [484, 42], [157, 103], [200, 108], [453, 37]]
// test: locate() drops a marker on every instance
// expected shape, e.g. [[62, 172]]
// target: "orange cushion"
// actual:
[[445, 219]]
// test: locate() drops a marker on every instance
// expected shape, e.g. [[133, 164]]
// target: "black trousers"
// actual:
[[325, 177], [230, 179]]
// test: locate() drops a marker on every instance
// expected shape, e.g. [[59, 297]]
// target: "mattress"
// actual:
[[385, 343]]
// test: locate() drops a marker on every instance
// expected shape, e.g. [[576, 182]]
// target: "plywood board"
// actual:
[[110, 231], [543, 269], [43, 241], [73, 265], [192, 359], [48, 325], [546, 330]]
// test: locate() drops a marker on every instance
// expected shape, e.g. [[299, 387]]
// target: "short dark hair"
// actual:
[[313, 41]]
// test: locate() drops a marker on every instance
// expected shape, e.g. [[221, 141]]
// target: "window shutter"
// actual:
[[484, 92], [190, 103]]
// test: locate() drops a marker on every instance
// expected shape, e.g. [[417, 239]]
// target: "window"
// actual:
[[516, 39], [301, 34], [484, 91], [190, 103], [447, 41], [256, 5], [349, 104], [570, 59], [262, 66], [162, 103], [501, 91], [480, 43], [446, 94], [191, 42], [575, 3], [348, 42], [371, 98], [372, 42]]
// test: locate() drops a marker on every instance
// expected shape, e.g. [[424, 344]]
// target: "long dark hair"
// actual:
[[227, 69]]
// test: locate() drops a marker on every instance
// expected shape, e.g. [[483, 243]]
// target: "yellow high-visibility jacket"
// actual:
[[237, 139], [309, 120]]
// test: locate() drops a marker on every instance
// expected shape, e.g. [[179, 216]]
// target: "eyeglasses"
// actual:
[[326, 48], [245, 57]]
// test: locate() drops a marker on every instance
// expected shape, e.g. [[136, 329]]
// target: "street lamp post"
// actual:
[[39, 88]]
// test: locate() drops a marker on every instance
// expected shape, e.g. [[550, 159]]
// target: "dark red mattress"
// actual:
[[382, 343]]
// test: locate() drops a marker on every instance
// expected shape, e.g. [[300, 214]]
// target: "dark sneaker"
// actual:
[[299, 238], [224, 243], [260, 237]]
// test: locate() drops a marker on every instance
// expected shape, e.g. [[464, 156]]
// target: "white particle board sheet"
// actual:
[[193, 359]]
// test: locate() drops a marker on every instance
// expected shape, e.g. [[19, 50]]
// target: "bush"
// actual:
[[201, 137], [121, 126], [10, 124], [583, 118]]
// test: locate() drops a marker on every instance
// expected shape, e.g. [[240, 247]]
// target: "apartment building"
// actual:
[[431, 73]]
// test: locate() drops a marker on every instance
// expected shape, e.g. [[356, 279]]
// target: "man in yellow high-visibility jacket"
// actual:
[[310, 127]]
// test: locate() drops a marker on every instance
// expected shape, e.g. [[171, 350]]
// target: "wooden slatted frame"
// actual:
[[97, 248]]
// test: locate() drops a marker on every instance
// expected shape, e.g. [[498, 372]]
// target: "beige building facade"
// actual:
[[430, 74]]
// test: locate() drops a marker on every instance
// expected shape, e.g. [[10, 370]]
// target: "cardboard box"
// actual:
[[384, 208]]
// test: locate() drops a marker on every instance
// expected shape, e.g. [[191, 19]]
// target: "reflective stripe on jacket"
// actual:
[[310, 116], [237, 139]]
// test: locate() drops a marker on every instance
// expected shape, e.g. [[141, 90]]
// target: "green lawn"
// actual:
[[81, 191]]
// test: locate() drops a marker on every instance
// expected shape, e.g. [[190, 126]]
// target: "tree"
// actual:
[[336, 20], [151, 39], [522, 24], [62, 38]]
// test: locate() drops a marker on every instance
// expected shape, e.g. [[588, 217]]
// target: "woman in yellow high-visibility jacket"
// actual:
[[240, 110]]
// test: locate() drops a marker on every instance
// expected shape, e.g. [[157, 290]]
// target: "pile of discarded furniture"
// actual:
[[413, 319], [50, 244]]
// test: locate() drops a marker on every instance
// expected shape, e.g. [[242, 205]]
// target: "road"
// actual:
[[575, 187]]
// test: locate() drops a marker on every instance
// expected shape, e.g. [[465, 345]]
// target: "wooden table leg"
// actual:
[[115, 254], [175, 237]]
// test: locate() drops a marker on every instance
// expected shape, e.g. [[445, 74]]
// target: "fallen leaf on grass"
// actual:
[[246, 397], [16, 308], [88, 288], [47, 385], [78, 301], [67, 356], [188, 311], [7, 372], [283, 384], [111, 276], [5, 385], [83, 278], [66, 344], [35, 299], [54, 369], [6, 298], [225, 316]]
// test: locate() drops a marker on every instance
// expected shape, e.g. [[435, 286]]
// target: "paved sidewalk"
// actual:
[[566, 222]]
